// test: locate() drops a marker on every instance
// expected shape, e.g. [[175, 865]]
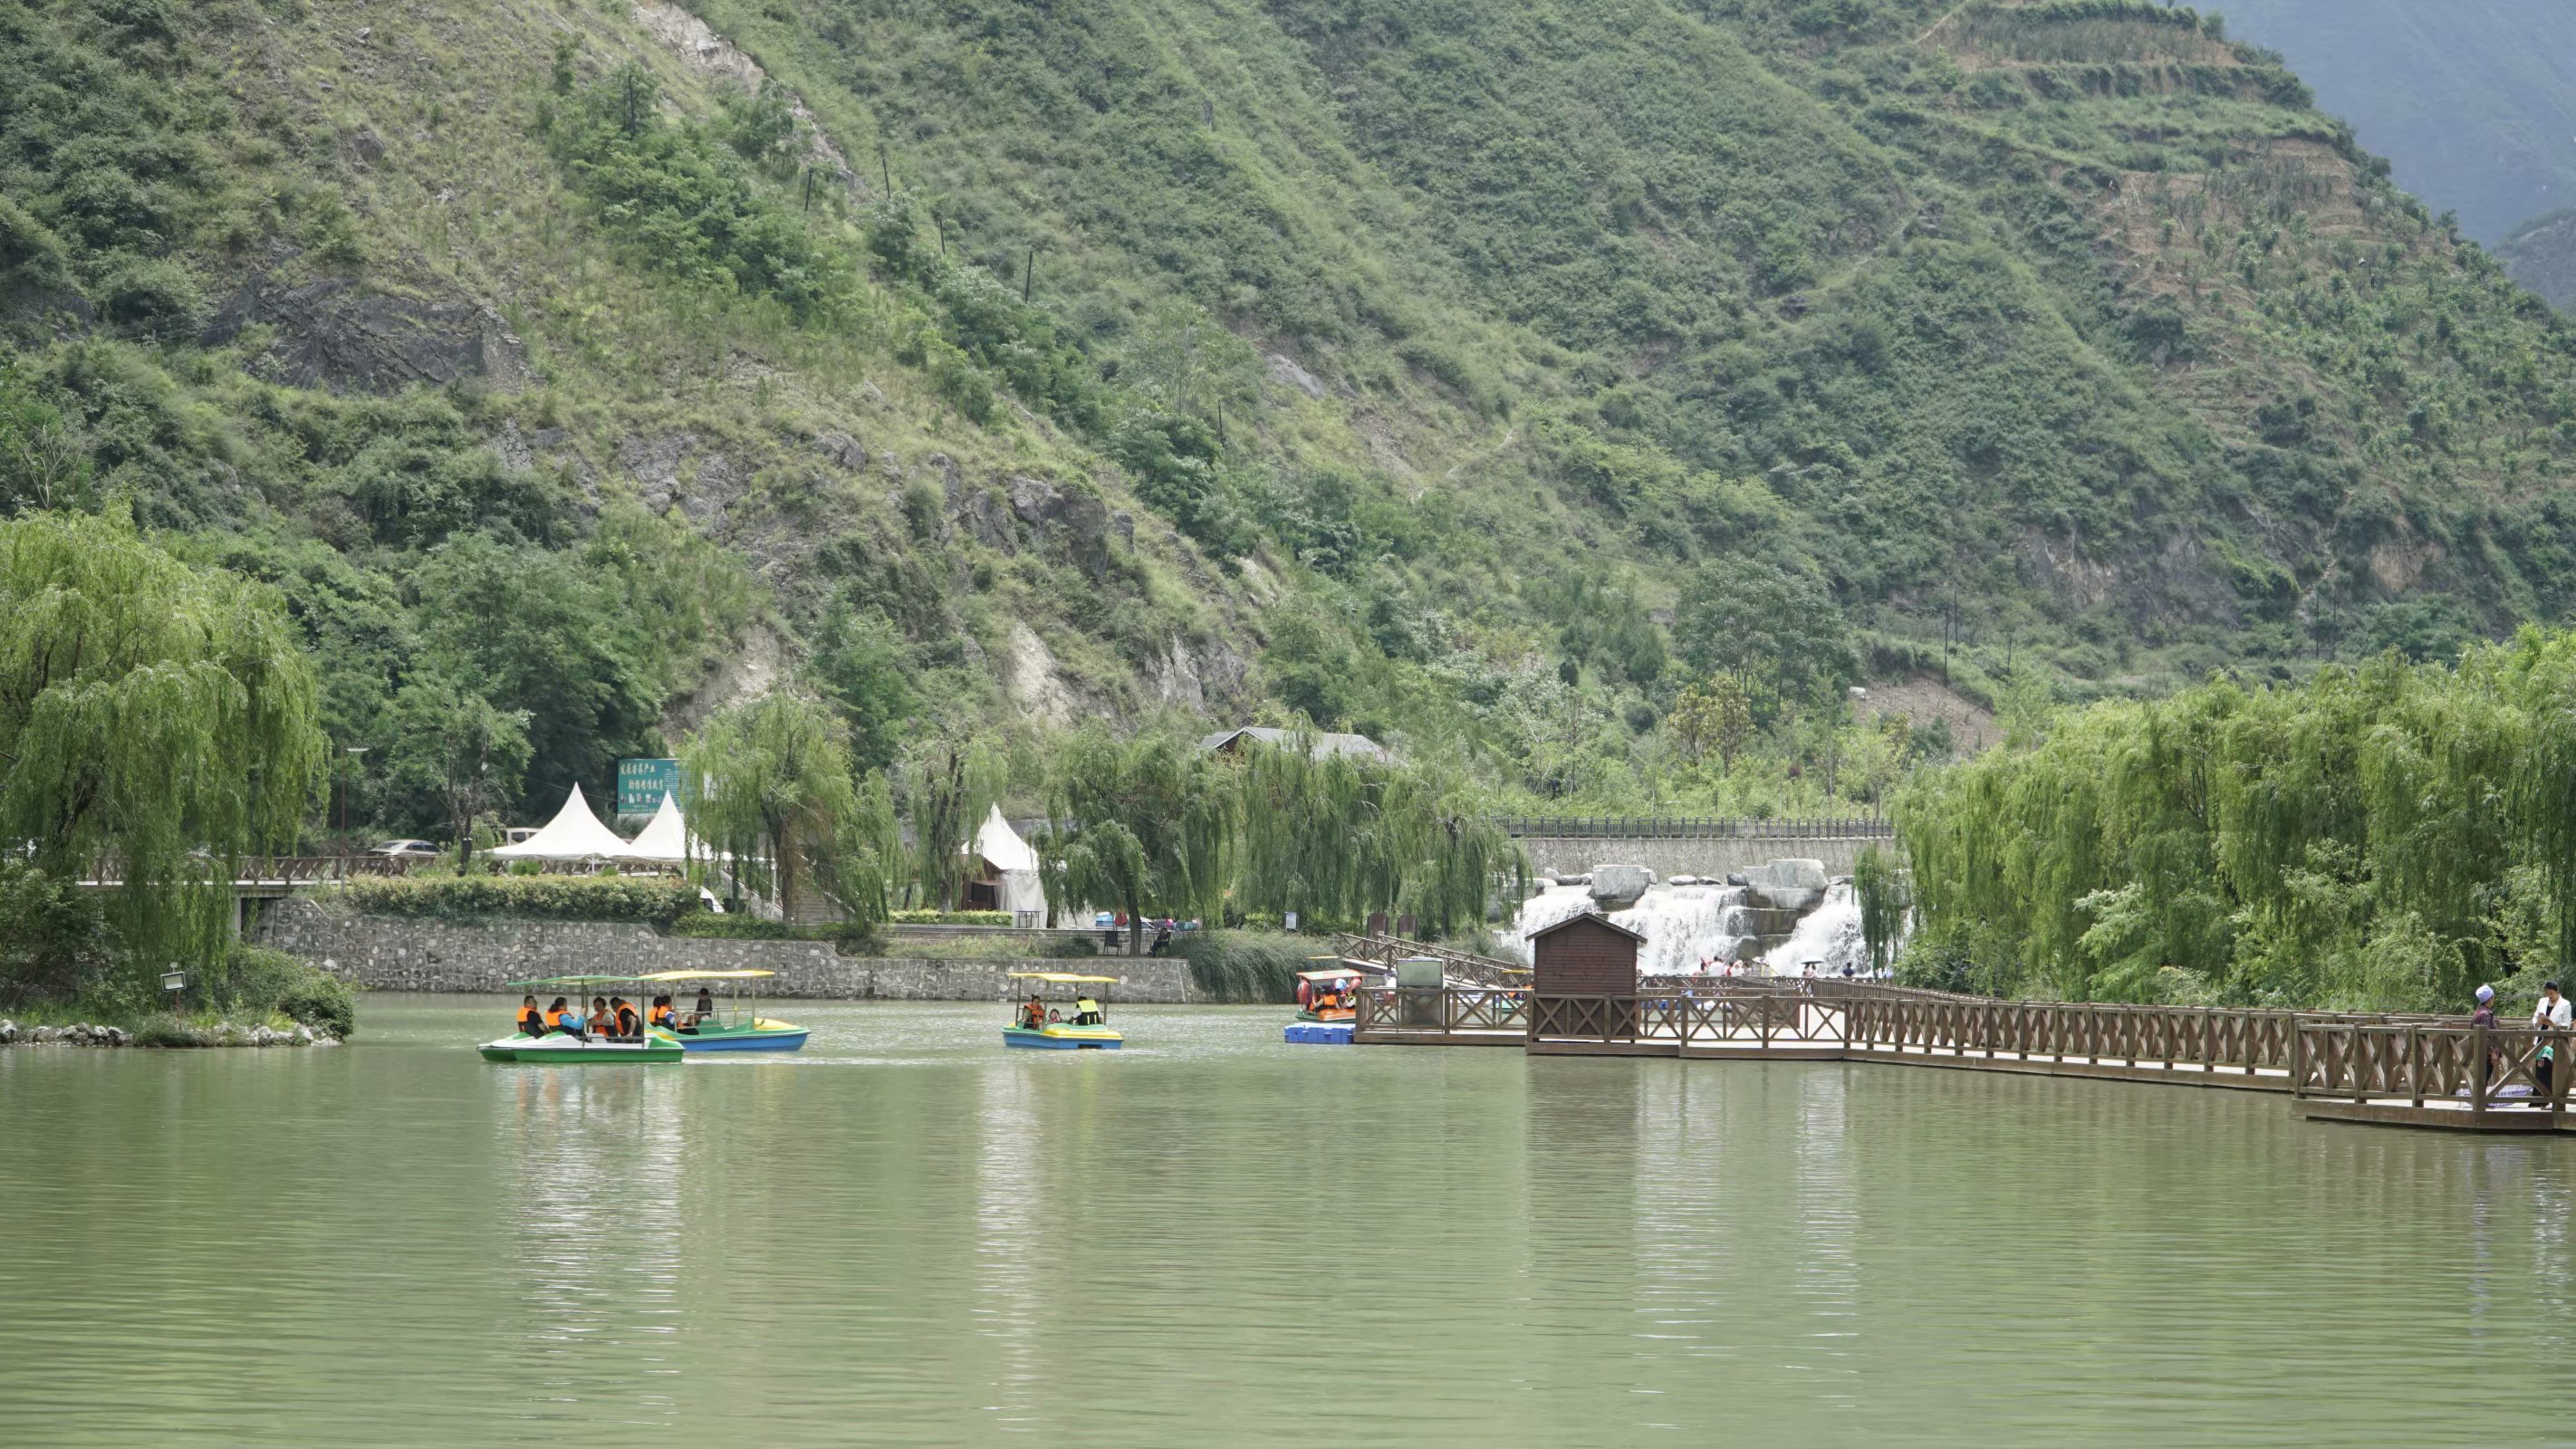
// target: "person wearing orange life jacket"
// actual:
[[622, 1013], [1033, 1012], [560, 1018], [532, 1022], [662, 1015]]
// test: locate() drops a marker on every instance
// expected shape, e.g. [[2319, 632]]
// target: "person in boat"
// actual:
[[662, 1015], [706, 1007], [1086, 1012], [622, 1012], [532, 1021], [1033, 1012], [599, 1022], [564, 1020]]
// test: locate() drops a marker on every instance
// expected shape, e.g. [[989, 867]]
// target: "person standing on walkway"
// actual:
[[2554, 1013]]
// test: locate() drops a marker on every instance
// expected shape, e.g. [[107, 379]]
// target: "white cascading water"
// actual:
[[1691, 925], [1828, 936], [1684, 926]]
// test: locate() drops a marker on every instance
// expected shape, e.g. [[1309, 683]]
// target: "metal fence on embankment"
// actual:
[[1661, 827]]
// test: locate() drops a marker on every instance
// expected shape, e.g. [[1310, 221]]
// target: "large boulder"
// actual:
[[1788, 885], [1617, 887]]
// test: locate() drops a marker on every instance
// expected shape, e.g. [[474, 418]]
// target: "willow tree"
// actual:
[[2384, 836], [1145, 823], [949, 784], [1334, 837], [156, 725], [773, 793]]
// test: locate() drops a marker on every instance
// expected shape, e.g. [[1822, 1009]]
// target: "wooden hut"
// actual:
[[1573, 964], [1585, 955]]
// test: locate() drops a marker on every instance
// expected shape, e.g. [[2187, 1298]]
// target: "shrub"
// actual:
[[951, 918], [657, 901], [1070, 948], [323, 1002], [167, 1031], [1244, 966]]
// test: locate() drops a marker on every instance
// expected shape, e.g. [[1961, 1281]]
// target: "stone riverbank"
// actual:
[[388, 953], [225, 1034]]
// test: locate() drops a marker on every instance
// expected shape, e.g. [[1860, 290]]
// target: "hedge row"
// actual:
[[543, 897], [952, 918], [853, 940]]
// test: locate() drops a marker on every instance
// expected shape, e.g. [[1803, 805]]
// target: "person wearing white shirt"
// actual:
[[2553, 1013]]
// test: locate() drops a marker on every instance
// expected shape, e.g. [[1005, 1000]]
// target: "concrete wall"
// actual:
[[388, 953], [1716, 859]]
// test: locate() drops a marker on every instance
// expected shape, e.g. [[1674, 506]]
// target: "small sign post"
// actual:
[[641, 784]]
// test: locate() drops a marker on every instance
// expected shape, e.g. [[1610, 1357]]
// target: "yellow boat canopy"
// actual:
[[1062, 978], [704, 975]]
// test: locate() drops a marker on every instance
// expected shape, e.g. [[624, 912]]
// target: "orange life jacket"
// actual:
[[530, 1017], [626, 1021], [663, 1016], [554, 1017]]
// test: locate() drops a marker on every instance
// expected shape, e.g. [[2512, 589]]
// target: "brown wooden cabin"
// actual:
[[1585, 955]]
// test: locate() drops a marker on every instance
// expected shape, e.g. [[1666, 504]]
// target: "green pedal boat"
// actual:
[[551, 1045]]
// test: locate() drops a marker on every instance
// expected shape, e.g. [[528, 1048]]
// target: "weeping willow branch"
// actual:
[[157, 721]]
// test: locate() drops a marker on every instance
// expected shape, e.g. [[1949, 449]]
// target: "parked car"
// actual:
[[408, 850]]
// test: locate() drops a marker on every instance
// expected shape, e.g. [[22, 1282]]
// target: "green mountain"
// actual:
[[2541, 255], [2470, 100], [1475, 375]]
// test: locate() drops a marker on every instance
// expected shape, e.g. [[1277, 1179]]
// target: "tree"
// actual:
[[1146, 823], [451, 743], [950, 784], [858, 662], [42, 462], [771, 782], [1779, 635], [536, 632], [1713, 715], [155, 718]]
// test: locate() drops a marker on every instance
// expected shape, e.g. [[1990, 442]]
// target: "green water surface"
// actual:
[[906, 1235]]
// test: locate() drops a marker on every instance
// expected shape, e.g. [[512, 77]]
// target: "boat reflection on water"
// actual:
[[596, 1216]]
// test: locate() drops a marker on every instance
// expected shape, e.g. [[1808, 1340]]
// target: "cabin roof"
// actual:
[[1594, 916]]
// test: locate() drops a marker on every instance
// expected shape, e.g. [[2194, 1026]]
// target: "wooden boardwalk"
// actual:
[[2436, 1072]]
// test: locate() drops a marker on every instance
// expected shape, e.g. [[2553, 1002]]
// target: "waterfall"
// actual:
[[1829, 935], [1683, 925]]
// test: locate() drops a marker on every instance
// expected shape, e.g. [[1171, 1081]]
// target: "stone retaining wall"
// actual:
[[389, 953]]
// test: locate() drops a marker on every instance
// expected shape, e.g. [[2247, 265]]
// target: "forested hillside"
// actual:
[[2472, 101], [1583, 393]]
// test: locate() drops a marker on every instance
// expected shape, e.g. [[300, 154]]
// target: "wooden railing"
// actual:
[[1457, 965], [2360, 1057], [317, 869], [2416, 1062], [1448, 1010]]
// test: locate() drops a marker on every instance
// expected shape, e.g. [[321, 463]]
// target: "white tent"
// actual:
[[574, 834], [665, 840], [1015, 865]]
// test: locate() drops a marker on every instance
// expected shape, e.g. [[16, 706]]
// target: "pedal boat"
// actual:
[[1073, 1034], [735, 1028], [1329, 994]]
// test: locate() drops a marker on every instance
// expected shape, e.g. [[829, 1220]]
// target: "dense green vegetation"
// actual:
[[2382, 837], [2465, 97]]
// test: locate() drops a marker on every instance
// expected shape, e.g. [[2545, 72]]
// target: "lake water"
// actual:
[[906, 1235]]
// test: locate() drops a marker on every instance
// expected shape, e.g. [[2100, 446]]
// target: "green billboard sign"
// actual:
[[641, 784]]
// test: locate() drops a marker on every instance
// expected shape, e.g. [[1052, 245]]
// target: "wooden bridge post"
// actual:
[[2478, 1094], [2415, 1062], [2298, 1059]]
